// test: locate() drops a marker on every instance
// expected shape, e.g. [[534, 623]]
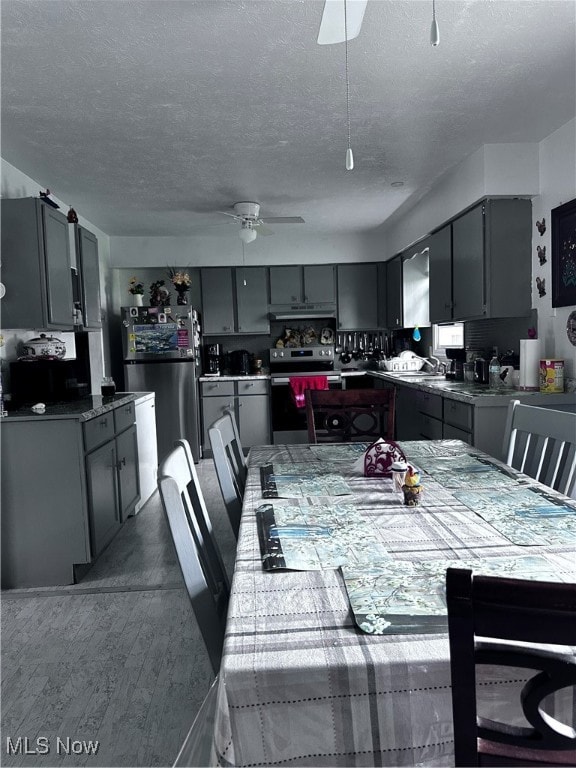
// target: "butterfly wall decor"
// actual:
[[541, 250], [541, 226]]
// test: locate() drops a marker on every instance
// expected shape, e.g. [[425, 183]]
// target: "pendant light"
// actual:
[[434, 31], [349, 155]]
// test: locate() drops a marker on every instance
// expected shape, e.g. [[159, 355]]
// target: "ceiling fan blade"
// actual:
[[332, 24], [263, 230], [234, 216], [283, 220]]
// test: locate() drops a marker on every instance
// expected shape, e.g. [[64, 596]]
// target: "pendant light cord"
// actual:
[[347, 77], [433, 10]]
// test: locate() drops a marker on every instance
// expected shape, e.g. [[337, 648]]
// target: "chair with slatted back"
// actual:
[[197, 551], [530, 614], [341, 416], [541, 442], [230, 465]]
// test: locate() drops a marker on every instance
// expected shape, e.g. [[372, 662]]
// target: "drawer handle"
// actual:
[[251, 384], [121, 463], [103, 422]]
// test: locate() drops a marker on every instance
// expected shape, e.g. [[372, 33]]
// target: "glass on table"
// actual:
[[399, 469]]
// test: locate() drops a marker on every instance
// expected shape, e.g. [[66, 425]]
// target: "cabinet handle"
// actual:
[[251, 384], [239, 327], [305, 299], [227, 328], [103, 423], [121, 463]]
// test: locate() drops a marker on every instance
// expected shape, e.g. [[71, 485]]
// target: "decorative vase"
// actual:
[[137, 300], [182, 299]]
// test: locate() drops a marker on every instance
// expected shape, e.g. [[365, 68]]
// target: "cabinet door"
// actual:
[[101, 476], [252, 300], [285, 285], [57, 268], [440, 265], [382, 304], [357, 296], [217, 300], [254, 420], [89, 274], [394, 293], [127, 463], [319, 284], [212, 409], [407, 414], [468, 289]]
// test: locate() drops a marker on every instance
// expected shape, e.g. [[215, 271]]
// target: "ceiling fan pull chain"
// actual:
[[434, 31], [349, 155]]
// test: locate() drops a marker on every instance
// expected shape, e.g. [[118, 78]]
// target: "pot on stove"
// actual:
[[44, 347]]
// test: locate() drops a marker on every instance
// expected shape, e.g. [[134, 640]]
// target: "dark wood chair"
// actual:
[[497, 609], [342, 416]]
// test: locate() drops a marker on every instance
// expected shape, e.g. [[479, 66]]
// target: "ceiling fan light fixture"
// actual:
[[247, 233], [434, 30]]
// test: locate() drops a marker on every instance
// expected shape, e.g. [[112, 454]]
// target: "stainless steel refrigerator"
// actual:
[[161, 347]]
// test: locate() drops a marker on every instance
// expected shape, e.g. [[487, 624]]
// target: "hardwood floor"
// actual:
[[117, 658]]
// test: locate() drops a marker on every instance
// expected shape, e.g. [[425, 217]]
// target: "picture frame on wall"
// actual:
[[564, 255]]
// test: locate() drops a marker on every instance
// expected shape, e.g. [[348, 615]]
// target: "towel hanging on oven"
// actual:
[[299, 384]]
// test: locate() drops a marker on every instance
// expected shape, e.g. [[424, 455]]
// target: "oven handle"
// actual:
[[283, 380]]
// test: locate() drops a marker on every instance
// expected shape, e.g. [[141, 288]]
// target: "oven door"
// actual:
[[289, 422]]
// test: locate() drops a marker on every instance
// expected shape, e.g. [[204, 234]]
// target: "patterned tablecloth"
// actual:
[[300, 683]]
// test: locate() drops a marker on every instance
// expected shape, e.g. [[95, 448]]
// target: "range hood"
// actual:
[[302, 311]]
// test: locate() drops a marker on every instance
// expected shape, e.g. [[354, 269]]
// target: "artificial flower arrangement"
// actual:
[[159, 294], [181, 282], [135, 287]]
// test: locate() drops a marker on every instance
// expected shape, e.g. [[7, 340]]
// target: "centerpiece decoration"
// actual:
[[181, 282], [136, 289], [159, 294]]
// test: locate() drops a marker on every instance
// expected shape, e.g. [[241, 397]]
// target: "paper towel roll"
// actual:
[[529, 364]]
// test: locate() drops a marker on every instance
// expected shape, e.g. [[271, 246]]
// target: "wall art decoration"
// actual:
[[541, 285], [541, 226], [541, 251], [564, 255], [571, 328]]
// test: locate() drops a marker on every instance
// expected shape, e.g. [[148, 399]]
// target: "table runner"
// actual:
[[300, 683]]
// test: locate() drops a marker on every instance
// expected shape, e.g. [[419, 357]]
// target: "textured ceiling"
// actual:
[[148, 116]]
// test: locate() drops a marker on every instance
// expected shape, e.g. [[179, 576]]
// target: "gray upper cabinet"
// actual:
[[89, 275], [252, 300], [440, 263], [36, 268], [217, 301], [394, 293], [415, 285], [229, 306], [357, 296], [308, 284], [468, 282], [471, 276]]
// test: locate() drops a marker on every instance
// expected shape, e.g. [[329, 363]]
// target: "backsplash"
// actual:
[[504, 333]]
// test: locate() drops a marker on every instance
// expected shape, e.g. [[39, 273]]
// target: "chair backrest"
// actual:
[[230, 465], [198, 554], [541, 442], [341, 416], [496, 609]]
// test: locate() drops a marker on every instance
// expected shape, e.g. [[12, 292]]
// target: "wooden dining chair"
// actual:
[[230, 465], [541, 442], [197, 551], [501, 609], [341, 416]]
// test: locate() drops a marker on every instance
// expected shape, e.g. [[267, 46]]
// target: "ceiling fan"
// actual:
[[251, 224], [332, 25]]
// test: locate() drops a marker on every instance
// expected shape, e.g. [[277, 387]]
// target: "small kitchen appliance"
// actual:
[[240, 362], [212, 360], [48, 380], [455, 367]]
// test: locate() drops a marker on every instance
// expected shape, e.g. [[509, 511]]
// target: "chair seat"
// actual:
[[491, 753], [350, 415]]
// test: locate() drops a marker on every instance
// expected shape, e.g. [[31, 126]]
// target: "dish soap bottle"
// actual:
[[494, 371]]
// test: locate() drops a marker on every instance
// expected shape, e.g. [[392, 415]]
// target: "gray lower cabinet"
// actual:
[[67, 486], [112, 472], [250, 402]]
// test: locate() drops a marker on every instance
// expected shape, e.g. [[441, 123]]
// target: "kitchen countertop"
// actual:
[[83, 410], [477, 394], [238, 377]]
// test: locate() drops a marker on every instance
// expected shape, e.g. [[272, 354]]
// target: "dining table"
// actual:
[[336, 648]]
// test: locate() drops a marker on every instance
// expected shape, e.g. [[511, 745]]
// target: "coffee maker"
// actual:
[[455, 367], [212, 360]]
